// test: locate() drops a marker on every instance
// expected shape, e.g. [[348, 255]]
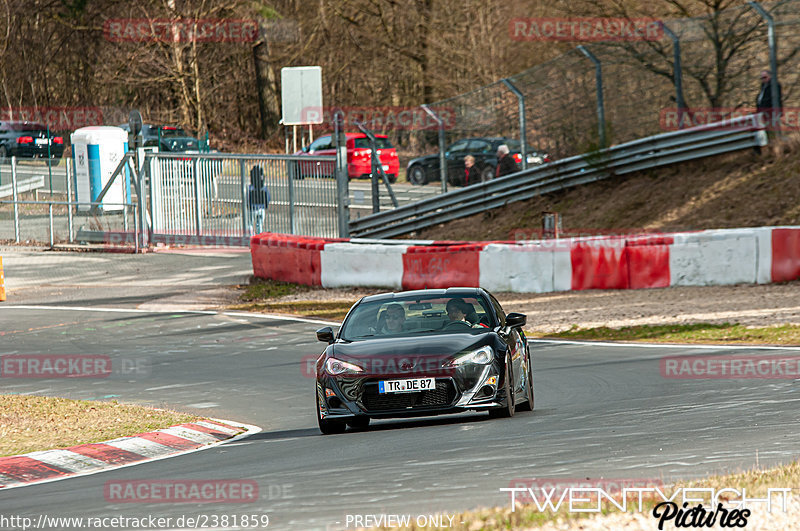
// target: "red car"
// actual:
[[359, 156]]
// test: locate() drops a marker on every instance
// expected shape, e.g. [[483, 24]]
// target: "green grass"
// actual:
[[260, 290], [686, 333], [30, 423]]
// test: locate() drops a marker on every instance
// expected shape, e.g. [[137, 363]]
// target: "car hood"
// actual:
[[436, 346]]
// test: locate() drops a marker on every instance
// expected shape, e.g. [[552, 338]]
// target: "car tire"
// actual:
[[506, 411], [329, 427], [358, 423], [528, 404], [487, 173], [392, 178], [416, 175]]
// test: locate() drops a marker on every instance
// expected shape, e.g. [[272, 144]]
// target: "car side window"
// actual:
[[480, 146], [458, 147], [323, 142]]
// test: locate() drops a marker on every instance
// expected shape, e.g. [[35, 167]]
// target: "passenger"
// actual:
[[395, 316]]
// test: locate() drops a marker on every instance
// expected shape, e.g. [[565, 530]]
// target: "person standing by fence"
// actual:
[[770, 110], [258, 198]]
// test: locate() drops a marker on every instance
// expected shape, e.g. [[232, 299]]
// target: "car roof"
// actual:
[[21, 122], [451, 292]]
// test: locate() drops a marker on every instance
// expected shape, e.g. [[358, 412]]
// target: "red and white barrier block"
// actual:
[[712, 257]]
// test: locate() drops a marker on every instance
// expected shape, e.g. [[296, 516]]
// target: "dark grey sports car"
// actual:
[[425, 352]]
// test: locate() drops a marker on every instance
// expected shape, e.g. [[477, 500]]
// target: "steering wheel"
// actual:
[[455, 325]]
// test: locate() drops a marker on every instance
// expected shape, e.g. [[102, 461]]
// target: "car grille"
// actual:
[[443, 395]]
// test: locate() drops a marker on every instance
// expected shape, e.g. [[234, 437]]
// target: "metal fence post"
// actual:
[[342, 178], [601, 109], [51, 223], [294, 167], [677, 72], [69, 198], [442, 159], [145, 197], [523, 137], [195, 168], [14, 194], [243, 185], [773, 59]]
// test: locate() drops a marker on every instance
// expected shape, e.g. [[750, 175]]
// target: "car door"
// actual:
[[317, 148], [515, 341], [455, 160]]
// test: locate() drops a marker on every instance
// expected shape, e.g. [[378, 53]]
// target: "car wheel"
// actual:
[[487, 174], [416, 175], [392, 178], [358, 423], [528, 404], [329, 427], [507, 410]]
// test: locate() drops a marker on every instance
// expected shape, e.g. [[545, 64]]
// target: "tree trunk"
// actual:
[[267, 89]]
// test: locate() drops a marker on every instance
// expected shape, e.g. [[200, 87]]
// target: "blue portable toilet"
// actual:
[[96, 152]]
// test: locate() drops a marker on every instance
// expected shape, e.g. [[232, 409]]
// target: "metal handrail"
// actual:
[[658, 150]]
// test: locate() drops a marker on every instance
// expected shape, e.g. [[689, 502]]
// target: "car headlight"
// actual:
[[482, 356], [336, 367]]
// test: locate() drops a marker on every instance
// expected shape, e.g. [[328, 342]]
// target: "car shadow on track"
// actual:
[[383, 425]]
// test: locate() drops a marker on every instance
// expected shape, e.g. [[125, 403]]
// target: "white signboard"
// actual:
[[301, 95]]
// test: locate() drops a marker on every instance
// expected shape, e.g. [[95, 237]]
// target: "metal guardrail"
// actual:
[[651, 152], [23, 185]]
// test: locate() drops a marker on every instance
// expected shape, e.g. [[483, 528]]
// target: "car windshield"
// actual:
[[180, 144], [513, 146], [380, 143], [169, 131], [418, 316]]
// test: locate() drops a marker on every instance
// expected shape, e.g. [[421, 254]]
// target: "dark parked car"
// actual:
[[423, 352], [28, 140], [173, 139], [422, 170]]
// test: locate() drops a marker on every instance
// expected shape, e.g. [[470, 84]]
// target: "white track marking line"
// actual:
[[189, 434], [141, 447], [686, 346]]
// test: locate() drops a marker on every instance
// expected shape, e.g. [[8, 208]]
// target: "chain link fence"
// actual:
[[720, 57]]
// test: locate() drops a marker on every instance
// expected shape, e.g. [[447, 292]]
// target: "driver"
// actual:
[[395, 318], [456, 311]]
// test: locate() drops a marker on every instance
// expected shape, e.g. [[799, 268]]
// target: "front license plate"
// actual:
[[408, 385], [41, 141]]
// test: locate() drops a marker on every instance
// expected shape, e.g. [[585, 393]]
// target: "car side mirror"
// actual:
[[325, 334], [516, 320], [305, 149]]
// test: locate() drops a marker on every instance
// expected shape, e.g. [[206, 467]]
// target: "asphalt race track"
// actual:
[[601, 411]]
